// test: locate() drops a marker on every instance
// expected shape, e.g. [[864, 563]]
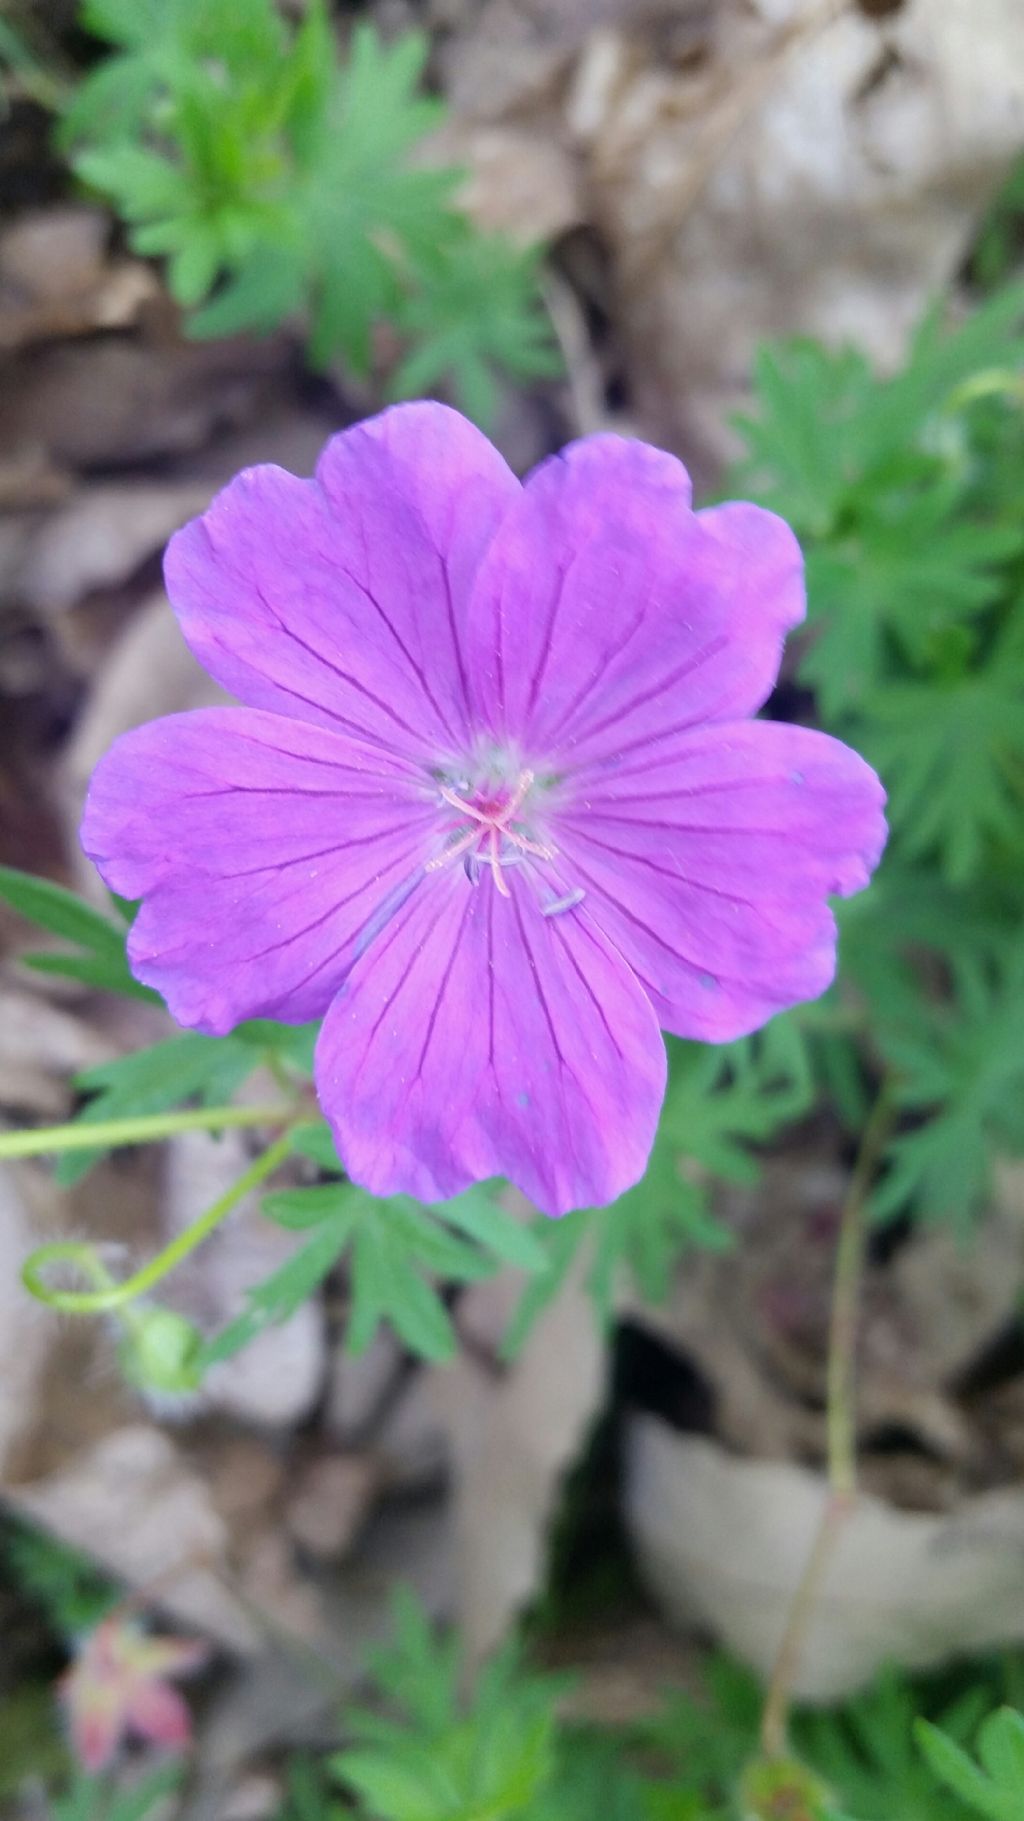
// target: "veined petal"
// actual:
[[607, 616], [479, 1039], [342, 600], [710, 868], [268, 854]]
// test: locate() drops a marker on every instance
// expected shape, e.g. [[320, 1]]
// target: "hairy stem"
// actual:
[[110, 1295], [107, 1134], [841, 1428]]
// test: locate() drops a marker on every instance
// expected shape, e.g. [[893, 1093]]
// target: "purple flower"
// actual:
[[495, 805]]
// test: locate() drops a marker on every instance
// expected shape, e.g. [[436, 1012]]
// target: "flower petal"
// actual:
[[157, 1712], [480, 1039], [342, 600], [607, 615], [268, 853], [95, 1719], [169, 1656], [710, 868]]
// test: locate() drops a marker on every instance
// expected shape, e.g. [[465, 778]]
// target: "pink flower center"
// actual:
[[494, 836]]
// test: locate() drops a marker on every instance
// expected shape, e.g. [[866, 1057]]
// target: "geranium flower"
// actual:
[[495, 805], [118, 1685]]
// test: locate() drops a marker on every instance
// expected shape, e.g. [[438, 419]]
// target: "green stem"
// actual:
[[106, 1134], [113, 1296], [841, 1399], [841, 1427]]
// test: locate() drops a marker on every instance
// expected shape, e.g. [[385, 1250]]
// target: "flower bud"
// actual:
[[160, 1352], [783, 1786]]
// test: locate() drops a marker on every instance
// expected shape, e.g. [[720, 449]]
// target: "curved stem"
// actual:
[[111, 1295], [841, 1427], [107, 1134]]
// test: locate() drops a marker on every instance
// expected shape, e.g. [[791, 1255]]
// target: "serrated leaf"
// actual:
[[474, 307], [239, 148], [387, 1285], [958, 1069], [395, 1247], [279, 1296], [952, 758], [432, 1756], [265, 290]]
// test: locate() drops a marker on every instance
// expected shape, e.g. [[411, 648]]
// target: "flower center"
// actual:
[[494, 836]]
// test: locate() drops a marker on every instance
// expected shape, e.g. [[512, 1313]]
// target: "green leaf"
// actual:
[[64, 1584], [107, 976], [996, 1790], [104, 964], [276, 179], [404, 1784], [958, 1070], [298, 1209], [141, 183], [474, 307], [279, 1296], [477, 1214], [95, 1799], [314, 1141], [265, 290], [62, 913], [712, 1738], [952, 757], [443, 1759], [386, 1285], [867, 1751], [132, 23], [394, 1250], [209, 1069], [720, 1104]]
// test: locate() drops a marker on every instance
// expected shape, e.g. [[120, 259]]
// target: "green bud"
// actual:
[[160, 1352], [782, 1789]]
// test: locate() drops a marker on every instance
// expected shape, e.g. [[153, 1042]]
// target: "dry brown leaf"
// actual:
[[722, 1543], [99, 538], [513, 1438]]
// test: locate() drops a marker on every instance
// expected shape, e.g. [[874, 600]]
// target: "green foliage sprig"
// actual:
[[277, 179], [428, 1751], [433, 1756], [908, 494]]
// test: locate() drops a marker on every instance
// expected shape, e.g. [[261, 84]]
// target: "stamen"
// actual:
[[570, 900], [528, 847], [453, 852], [495, 864], [464, 808], [516, 802], [490, 836]]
